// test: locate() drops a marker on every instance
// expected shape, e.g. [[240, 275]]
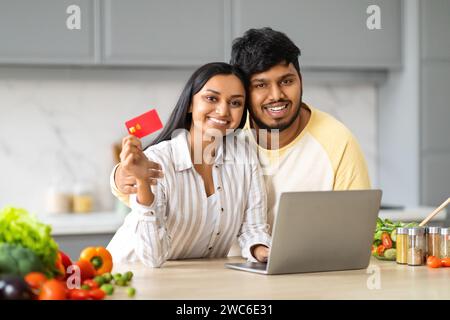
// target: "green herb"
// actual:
[[15, 259], [19, 227]]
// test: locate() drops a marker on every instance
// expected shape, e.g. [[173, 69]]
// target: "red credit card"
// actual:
[[144, 124]]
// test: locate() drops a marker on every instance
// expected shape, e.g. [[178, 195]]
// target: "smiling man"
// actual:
[[306, 149]]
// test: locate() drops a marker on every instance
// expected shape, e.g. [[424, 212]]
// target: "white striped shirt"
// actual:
[[173, 225]]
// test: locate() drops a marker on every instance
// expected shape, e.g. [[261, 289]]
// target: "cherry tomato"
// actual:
[[97, 294], [78, 294], [91, 283], [386, 240], [53, 290], [434, 262], [380, 250], [445, 262], [35, 280]]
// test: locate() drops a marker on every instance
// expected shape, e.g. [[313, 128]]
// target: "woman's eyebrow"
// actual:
[[232, 96], [213, 91]]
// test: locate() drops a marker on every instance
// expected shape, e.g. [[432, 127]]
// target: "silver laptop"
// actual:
[[320, 231]]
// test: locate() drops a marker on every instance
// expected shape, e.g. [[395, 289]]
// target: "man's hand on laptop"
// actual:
[[260, 252]]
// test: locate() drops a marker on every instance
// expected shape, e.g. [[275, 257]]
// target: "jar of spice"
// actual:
[[416, 246], [445, 243], [402, 245], [58, 198], [434, 242], [83, 199]]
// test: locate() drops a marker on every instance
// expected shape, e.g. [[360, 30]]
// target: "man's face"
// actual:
[[275, 97]]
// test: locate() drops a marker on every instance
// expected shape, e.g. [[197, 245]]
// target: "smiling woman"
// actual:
[[188, 206]]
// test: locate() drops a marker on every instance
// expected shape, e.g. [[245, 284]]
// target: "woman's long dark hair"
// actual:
[[180, 117]]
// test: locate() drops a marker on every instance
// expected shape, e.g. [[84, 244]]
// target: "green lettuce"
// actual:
[[17, 226]]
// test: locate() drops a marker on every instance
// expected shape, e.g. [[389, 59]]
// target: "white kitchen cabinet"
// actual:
[[330, 34], [168, 33], [36, 32]]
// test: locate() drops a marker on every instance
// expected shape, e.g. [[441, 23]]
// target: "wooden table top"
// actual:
[[208, 279]]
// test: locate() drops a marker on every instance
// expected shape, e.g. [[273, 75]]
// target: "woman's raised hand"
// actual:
[[135, 163]]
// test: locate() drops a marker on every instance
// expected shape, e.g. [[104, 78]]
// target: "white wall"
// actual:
[[398, 121], [62, 122]]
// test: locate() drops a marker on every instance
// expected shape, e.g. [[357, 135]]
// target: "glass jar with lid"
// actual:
[[416, 246], [445, 243], [434, 242], [402, 245], [83, 199]]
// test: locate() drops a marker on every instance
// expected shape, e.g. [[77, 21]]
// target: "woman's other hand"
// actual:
[[260, 252], [135, 165]]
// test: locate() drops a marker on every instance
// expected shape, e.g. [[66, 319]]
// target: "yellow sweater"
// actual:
[[325, 156]]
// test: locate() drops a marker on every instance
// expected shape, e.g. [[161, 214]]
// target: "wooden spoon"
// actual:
[[435, 212]]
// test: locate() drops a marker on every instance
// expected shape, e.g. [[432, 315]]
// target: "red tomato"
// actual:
[[35, 280], [97, 294], [78, 294], [445, 262], [53, 290], [434, 262], [380, 250], [87, 270], [91, 283], [386, 240]]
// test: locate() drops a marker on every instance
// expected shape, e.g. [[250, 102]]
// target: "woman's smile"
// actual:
[[218, 122]]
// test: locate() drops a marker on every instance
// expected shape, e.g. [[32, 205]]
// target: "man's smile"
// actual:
[[276, 110]]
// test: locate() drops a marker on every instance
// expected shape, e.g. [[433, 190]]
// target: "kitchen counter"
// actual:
[[410, 214], [109, 222], [83, 223], [209, 279]]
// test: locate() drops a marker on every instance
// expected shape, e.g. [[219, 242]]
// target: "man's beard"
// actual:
[[284, 126]]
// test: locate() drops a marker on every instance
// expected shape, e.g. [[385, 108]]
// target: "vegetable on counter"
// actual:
[[87, 270], [65, 261], [436, 262], [385, 237], [18, 227], [15, 259], [99, 257], [53, 290], [33, 267], [13, 287]]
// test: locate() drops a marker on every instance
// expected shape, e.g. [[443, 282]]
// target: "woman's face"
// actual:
[[218, 105]]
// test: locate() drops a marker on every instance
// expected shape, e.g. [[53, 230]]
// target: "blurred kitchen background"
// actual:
[[65, 92]]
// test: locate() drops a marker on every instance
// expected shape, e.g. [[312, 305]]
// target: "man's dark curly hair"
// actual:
[[258, 50]]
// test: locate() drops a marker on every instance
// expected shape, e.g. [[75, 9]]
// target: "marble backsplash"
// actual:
[[59, 124]]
